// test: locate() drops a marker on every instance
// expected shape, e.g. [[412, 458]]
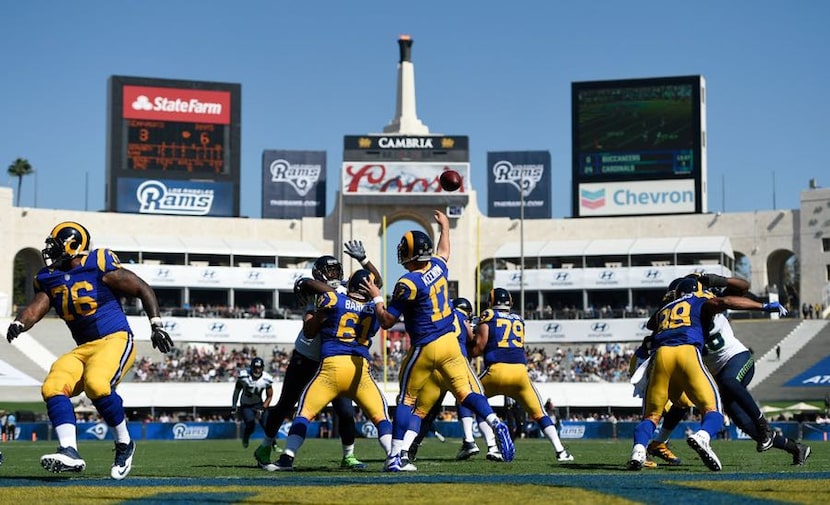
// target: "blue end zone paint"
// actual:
[[189, 498], [652, 488]]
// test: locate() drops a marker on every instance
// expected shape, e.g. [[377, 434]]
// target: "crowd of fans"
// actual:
[[221, 363]]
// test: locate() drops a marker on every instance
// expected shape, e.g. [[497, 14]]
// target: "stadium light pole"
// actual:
[[522, 244]]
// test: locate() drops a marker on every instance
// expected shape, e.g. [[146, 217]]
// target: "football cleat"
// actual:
[[439, 436], [245, 442], [700, 443], [649, 464], [66, 459], [123, 460], [393, 464], [505, 443], [412, 453], [764, 443], [352, 463], [637, 459], [493, 454], [564, 456], [406, 465], [468, 449], [285, 463], [802, 452], [661, 450], [262, 455]]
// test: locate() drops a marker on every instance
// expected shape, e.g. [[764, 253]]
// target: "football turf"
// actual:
[[222, 471]]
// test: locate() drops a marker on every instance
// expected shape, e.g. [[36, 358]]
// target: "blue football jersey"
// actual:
[[422, 297], [79, 296], [348, 327], [679, 322], [463, 335], [506, 337]]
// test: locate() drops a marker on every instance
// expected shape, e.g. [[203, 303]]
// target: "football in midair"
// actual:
[[450, 180]]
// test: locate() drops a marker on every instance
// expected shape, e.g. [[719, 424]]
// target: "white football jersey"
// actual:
[[310, 347], [250, 389], [721, 345]]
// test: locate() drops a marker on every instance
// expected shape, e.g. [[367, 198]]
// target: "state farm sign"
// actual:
[[362, 178], [176, 104]]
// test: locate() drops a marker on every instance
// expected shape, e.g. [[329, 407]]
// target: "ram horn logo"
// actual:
[[522, 177], [98, 430], [301, 176], [369, 430], [599, 327]]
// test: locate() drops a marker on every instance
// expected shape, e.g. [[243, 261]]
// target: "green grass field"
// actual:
[[223, 472]]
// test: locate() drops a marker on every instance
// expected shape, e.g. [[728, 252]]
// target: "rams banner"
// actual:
[[293, 184], [519, 178], [175, 197]]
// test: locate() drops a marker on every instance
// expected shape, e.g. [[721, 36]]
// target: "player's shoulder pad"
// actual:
[[105, 259], [268, 378], [243, 374], [405, 289], [326, 300], [487, 315]]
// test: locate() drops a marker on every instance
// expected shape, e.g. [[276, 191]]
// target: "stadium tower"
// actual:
[[406, 120]]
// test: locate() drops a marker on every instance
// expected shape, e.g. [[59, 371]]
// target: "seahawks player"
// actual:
[[327, 274], [247, 394], [84, 287], [500, 336], [677, 367]]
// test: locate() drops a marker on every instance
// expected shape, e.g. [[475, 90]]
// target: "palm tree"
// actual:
[[19, 168]]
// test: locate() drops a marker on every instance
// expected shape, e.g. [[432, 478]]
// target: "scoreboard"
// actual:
[[627, 133], [183, 136]]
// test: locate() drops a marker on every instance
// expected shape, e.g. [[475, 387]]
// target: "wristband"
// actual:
[[378, 299], [156, 321], [364, 261]]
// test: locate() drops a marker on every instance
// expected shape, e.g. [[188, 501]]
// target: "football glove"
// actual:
[[775, 307], [160, 338], [14, 330], [355, 249]]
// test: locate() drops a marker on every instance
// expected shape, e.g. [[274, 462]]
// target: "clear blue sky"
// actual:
[[498, 72]]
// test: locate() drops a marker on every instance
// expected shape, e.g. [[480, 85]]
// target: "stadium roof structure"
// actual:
[[617, 247]]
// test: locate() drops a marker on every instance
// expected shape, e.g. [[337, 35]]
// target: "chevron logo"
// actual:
[[592, 199]]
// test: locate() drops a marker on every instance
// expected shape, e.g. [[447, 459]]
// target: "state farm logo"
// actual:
[[301, 177], [160, 103], [175, 104]]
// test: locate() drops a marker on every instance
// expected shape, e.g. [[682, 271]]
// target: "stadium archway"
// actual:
[[781, 274]]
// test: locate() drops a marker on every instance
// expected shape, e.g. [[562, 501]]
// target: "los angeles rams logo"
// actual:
[[523, 177], [98, 431], [301, 177]]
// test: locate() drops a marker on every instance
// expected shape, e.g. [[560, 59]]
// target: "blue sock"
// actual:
[[384, 428], [712, 423], [464, 411], [478, 404], [111, 408], [403, 421], [60, 410], [299, 426], [644, 431]]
